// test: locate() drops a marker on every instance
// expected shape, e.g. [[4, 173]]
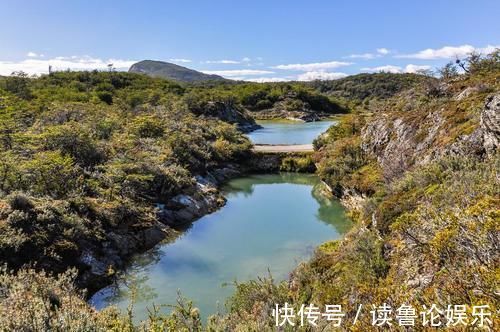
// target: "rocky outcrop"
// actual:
[[185, 208], [292, 109], [99, 263], [352, 200], [399, 142], [485, 140], [230, 113], [490, 125]]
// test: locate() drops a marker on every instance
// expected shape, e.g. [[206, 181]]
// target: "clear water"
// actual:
[[288, 132], [269, 221]]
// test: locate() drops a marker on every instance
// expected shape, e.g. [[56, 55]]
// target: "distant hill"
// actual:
[[172, 71], [376, 85]]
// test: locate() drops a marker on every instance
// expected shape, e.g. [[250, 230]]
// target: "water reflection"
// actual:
[[269, 222], [288, 132]]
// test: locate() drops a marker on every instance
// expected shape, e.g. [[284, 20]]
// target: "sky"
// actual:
[[255, 40]]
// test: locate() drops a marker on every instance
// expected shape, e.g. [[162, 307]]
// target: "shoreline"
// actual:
[[205, 198]]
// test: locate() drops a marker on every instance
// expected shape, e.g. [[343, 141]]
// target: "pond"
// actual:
[[288, 132], [269, 222]]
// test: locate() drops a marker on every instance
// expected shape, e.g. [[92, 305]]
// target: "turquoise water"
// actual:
[[288, 132], [269, 222]]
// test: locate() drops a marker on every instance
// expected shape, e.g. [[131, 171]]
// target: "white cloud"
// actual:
[[266, 79], [488, 49], [396, 69], [32, 54], [246, 59], [41, 66], [223, 61], [380, 52], [318, 66], [387, 69], [180, 60], [362, 56], [238, 72], [320, 75], [415, 68], [449, 52]]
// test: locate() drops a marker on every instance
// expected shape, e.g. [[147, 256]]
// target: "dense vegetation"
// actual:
[[86, 154], [357, 88], [83, 153], [427, 230], [271, 100]]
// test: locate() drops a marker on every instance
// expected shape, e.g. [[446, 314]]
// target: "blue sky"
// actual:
[[252, 40]]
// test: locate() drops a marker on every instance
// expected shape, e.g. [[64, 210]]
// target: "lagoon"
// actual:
[[270, 222], [288, 132]]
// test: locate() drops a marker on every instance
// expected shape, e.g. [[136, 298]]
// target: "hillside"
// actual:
[[86, 156], [358, 87], [172, 72], [419, 174], [96, 166]]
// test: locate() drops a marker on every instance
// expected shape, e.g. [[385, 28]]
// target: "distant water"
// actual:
[[288, 132], [269, 221]]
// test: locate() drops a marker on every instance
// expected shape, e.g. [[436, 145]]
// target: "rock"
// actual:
[[399, 143], [228, 112], [153, 235], [392, 143], [469, 91], [225, 173], [352, 200], [185, 208], [97, 267], [485, 140], [490, 125]]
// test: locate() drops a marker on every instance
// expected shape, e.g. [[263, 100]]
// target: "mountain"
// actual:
[[172, 71]]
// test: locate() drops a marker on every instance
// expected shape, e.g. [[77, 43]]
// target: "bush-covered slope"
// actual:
[[369, 86], [418, 171], [273, 100], [86, 157], [420, 176]]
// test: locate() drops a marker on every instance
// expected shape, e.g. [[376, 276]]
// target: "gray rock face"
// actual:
[[490, 125], [102, 262], [485, 140], [469, 91], [397, 144], [229, 113], [185, 208], [393, 143], [203, 198]]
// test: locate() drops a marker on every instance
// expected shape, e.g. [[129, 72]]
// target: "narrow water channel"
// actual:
[[288, 132], [269, 222]]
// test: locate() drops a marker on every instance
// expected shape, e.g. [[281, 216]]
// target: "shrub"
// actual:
[[50, 173], [147, 127], [298, 164]]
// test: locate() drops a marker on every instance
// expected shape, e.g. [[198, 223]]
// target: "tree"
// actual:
[[50, 173], [18, 84], [448, 71]]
